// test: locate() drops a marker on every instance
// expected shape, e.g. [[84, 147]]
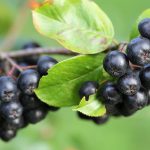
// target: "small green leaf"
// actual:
[[79, 25], [93, 107], [61, 86], [135, 32]]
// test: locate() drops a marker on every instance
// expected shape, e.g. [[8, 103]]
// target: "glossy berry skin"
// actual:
[[112, 110], [82, 116], [116, 63], [138, 51], [110, 94], [101, 120], [36, 115], [88, 88], [145, 77], [129, 84], [124, 110], [144, 28], [18, 123], [30, 102], [28, 81], [8, 89], [32, 60], [11, 110], [7, 134], [137, 101], [45, 63]]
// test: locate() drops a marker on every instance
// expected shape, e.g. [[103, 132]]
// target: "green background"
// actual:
[[63, 130]]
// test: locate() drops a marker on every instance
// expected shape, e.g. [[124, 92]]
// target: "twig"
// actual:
[[35, 51], [13, 63]]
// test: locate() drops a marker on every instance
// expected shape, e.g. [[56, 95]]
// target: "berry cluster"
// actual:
[[19, 106], [130, 90]]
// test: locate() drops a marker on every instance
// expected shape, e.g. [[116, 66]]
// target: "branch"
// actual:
[[35, 51]]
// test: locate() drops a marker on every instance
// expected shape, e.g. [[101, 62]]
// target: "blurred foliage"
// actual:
[[63, 130]]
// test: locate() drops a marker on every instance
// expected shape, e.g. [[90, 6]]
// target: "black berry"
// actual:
[[45, 63], [116, 63], [110, 94], [138, 51], [8, 89], [35, 115], [30, 102], [137, 101], [11, 110], [28, 81], [101, 120], [7, 134], [145, 77], [129, 84], [32, 60], [82, 116], [88, 88], [144, 28]]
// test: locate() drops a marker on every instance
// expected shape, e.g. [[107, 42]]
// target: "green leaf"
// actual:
[[60, 87], [135, 32], [79, 25], [93, 107]]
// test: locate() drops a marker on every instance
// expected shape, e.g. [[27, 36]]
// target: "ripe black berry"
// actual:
[[101, 120], [82, 116], [116, 63], [137, 101], [110, 94], [8, 89], [7, 134], [35, 115], [128, 84], [112, 110], [124, 110], [88, 88], [18, 123], [11, 110], [28, 80], [30, 102], [144, 28], [138, 51], [45, 63], [32, 60], [145, 77]]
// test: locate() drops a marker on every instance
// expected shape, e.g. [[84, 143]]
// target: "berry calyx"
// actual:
[[129, 84], [8, 89]]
